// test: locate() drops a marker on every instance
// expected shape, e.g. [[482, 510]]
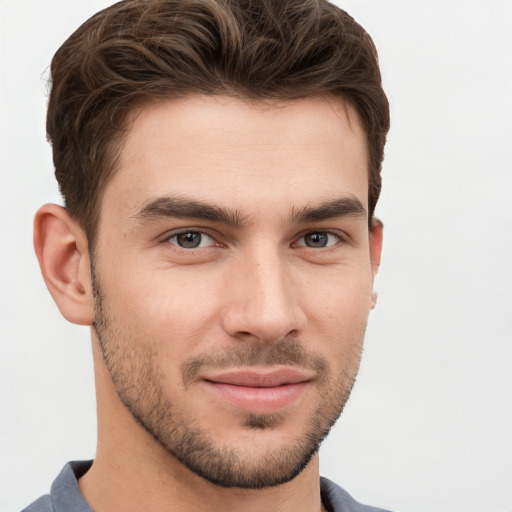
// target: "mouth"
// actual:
[[259, 391]]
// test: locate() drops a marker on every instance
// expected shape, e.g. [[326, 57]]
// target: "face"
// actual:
[[233, 280]]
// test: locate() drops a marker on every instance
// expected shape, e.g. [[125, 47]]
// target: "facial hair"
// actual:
[[133, 368]]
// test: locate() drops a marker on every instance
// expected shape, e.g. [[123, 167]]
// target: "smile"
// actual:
[[260, 392]]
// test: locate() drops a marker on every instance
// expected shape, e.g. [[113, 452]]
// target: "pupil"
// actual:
[[189, 240], [316, 240]]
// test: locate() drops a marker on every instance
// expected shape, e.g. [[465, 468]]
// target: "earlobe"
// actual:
[[61, 248], [376, 237]]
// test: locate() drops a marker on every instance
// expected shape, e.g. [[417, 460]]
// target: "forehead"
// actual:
[[242, 154]]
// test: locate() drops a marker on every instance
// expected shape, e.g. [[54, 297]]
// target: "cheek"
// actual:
[[166, 308], [338, 312], [339, 294]]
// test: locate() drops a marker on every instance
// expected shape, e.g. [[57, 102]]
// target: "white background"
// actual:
[[429, 425]]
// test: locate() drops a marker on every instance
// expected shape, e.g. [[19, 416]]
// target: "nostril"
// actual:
[[265, 337]]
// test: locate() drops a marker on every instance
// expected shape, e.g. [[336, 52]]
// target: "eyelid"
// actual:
[[341, 237], [173, 234]]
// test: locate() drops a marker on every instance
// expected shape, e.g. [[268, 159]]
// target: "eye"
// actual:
[[191, 240], [317, 240]]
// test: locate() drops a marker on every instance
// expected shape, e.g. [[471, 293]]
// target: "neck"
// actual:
[[133, 472]]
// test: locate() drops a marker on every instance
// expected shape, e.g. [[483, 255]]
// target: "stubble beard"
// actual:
[[138, 385]]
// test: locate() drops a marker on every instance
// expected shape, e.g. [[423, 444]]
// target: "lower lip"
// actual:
[[259, 400]]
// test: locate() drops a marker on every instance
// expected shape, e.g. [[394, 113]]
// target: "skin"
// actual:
[[253, 287]]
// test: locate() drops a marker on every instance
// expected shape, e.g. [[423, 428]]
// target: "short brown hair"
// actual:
[[137, 50]]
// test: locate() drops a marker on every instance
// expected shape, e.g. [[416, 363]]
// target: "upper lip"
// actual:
[[260, 378]]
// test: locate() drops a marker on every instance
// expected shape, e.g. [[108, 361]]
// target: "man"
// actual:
[[220, 165]]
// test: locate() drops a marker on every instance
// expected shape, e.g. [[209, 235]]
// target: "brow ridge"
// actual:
[[181, 207], [342, 207]]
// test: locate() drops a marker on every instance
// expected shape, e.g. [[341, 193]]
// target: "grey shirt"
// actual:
[[65, 495]]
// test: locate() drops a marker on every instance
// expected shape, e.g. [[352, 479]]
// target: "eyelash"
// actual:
[[295, 244], [176, 234], [319, 232]]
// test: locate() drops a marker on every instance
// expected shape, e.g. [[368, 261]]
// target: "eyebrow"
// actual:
[[180, 207], [343, 207]]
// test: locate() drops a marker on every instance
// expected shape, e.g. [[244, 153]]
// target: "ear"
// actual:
[[376, 236], [62, 252]]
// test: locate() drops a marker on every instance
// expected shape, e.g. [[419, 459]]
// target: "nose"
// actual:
[[263, 300]]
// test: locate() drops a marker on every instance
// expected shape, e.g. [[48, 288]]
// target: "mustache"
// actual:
[[285, 352]]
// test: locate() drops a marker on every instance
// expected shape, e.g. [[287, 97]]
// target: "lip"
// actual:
[[259, 391]]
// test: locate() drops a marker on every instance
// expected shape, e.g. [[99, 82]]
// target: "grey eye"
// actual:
[[316, 239], [191, 239]]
